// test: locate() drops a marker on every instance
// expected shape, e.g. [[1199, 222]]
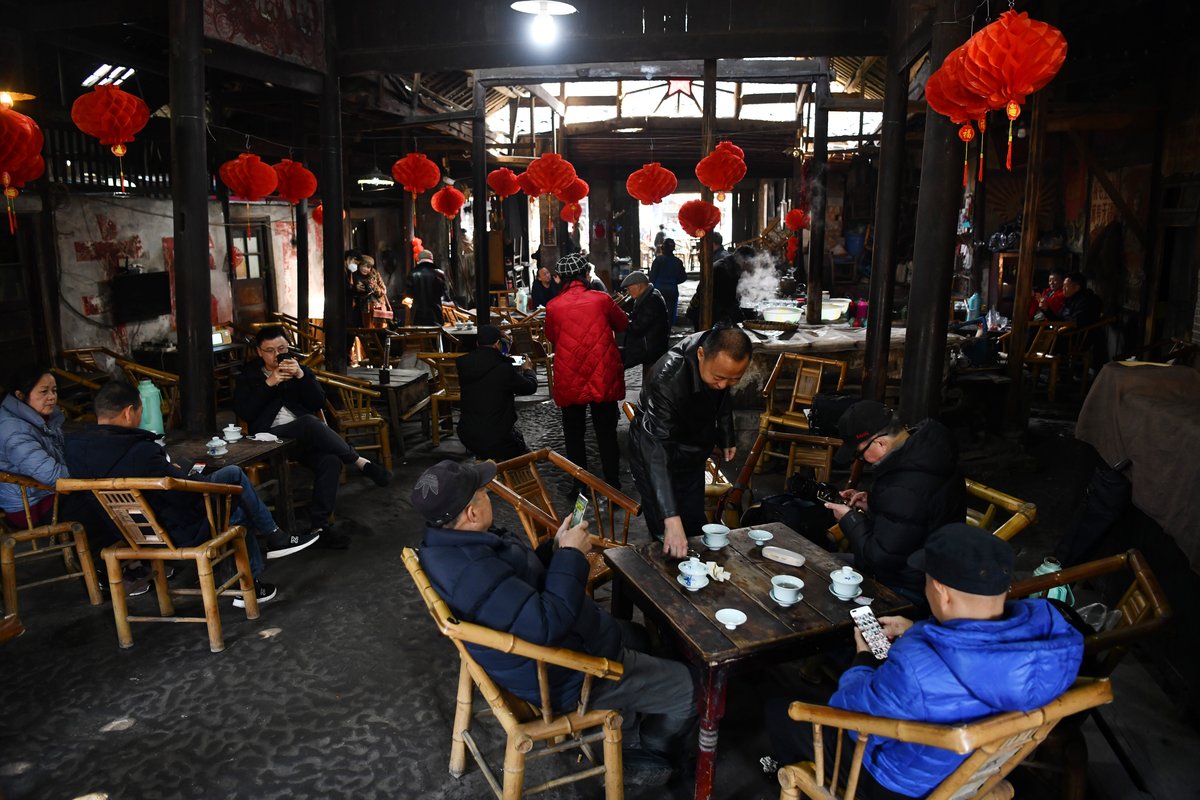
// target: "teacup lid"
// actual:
[[232, 427], [216, 440], [846, 575]]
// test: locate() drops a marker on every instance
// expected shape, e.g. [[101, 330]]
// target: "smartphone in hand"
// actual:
[[581, 504], [197, 469]]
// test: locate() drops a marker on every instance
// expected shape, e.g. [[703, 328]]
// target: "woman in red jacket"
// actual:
[[587, 366]]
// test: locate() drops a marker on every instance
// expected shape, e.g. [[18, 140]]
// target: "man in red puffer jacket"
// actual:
[[587, 365]]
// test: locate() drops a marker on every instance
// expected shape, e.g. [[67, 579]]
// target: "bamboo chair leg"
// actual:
[[166, 606], [436, 434], [212, 612], [462, 721], [614, 783], [8, 574], [87, 566], [514, 766], [116, 590], [789, 790], [241, 557], [763, 427], [385, 446]]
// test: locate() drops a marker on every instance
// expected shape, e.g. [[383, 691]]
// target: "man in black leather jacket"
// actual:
[[488, 382], [684, 413], [426, 286]]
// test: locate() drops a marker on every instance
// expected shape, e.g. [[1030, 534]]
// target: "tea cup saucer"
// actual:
[[799, 597], [697, 587], [857, 592]]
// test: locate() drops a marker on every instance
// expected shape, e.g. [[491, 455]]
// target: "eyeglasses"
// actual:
[[862, 452], [274, 351]]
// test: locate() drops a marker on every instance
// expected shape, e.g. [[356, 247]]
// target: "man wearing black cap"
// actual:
[[489, 381], [918, 487], [978, 656], [493, 578]]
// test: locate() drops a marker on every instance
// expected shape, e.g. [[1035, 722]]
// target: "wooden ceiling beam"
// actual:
[[793, 71], [861, 73], [540, 93]]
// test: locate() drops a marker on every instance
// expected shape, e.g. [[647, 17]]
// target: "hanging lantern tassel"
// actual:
[[119, 151], [966, 133], [10, 194], [982, 122], [1013, 111]]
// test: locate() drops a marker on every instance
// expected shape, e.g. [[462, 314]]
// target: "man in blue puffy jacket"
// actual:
[[494, 578], [979, 655]]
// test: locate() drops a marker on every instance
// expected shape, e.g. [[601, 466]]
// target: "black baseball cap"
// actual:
[[863, 420], [445, 489], [966, 558], [488, 336]]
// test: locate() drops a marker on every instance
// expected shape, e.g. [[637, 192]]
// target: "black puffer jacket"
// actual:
[[679, 421], [257, 402], [488, 382], [648, 331], [918, 488], [426, 285]]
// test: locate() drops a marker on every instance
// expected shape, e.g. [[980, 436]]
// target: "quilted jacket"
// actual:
[[31, 446], [587, 365], [959, 671]]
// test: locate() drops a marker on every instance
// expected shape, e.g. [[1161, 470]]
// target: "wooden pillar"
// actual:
[[479, 206], [707, 136], [934, 244], [301, 210], [816, 183], [887, 208], [189, 196], [332, 194], [600, 210]]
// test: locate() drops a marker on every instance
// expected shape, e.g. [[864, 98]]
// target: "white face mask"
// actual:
[[352, 266]]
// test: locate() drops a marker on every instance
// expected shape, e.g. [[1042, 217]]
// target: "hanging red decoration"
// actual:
[[447, 201], [793, 249], [318, 214], [417, 247], [720, 170], [416, 173], [112, 115], [571, 212], [528, 184], [796, 219], [551, 172], [730, 147], [20, 156], [651, 183], [503, 182], [248, 177], [698, 217], [295, 181], [966, 133], [573, 192], [982, 149], [949, 96]]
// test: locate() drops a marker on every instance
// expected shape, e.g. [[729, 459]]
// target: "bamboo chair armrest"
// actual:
[[68, 485], [24, 481], [614, 495], [769, 386], [139, 369], [524, 506], [340, 382], [71, 377]]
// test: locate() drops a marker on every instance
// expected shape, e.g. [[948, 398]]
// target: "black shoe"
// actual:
[[331, 539], [644, 767], [376, 473], [281, 543], [265, 592]]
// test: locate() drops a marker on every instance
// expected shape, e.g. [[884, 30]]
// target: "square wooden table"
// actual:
[[243, 451], [404, 389], [642, 575]]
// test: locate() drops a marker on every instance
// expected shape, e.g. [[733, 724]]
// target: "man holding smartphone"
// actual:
[[489, 382], [275, 394]]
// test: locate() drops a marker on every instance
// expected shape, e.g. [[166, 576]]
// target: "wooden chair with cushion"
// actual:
[[356, 419], [168, 387], [125, 502], [519, 482], [444, 368], [808, 376], [65, 540], [531, 731], [993, 745]]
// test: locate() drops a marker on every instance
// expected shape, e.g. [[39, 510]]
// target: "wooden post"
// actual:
[[302, 314], [707, 136], [479, 204], [189, 195], [887, 208], [332, 194], [816, 184]]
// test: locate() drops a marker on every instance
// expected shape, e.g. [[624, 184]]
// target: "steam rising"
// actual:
[[759, 283]]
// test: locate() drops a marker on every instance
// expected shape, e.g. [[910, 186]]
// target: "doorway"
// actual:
[[252, 284]]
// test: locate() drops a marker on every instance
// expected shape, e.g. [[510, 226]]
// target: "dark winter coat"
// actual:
[[495, 579], [488, 382], [587, 366], [918, 488], [426, 286], [648, 331], [667, 272], [542, 295], [258, 403], [959, 671], [30, 445]]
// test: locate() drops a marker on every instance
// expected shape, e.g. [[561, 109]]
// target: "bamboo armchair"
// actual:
[[520, 483], [1023, 513], [993, 745], [739, 496], [76, 393], [531, 731], [525, 344], [444, 368], [363, 428], [168, 387], [809, 379], [82, 361], [125, 502], [67, 540]]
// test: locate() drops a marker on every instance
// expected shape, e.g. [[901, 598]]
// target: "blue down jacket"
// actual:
[[959, 671], [495, 579], [31, 446]]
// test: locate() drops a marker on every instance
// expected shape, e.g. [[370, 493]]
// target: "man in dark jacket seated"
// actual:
[[684, 412], [488, 382], [918, 488], [646, 338], [277, 395], [978, 656], [493, 578], [115, 447]]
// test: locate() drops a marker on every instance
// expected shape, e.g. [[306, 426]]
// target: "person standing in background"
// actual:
[[426, 287], [666, 273]]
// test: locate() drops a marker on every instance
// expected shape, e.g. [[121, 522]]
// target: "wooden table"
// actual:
[[404, 389], [243, 451], [645, 577]]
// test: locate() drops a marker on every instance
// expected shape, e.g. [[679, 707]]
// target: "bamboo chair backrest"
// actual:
[[1144, 606], [994, 745], [462, 633], [445, 372], [24, 484], [85, 358], [808, 382], [125, 502], [1023, 513], [353, 395]]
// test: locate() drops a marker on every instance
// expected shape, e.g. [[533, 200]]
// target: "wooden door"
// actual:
[[252, 281], [21, 335]]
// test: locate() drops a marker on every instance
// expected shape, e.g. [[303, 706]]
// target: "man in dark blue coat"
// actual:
[[489, 382], [494, 578], [978, 656]]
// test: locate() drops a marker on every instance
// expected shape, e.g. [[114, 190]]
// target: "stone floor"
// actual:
[[343, 688]]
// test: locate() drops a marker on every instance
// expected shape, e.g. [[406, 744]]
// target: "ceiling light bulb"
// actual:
[[543, 30]]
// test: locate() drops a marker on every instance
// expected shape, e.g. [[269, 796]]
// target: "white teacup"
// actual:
[[786, 588], [845, 581], [693, 573], [716, 536], [231, 433]]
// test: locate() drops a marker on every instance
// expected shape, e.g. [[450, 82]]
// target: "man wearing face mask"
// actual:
[[489, 381]]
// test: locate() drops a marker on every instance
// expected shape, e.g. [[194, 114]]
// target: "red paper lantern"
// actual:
[[732, 148], [571, 212], [416, 173], [248, 177], [318, 214], [698, 217], [503, 182], [551, 172], [796, 219], [793, 249], [447, 201], [20, 156], [528, 184], [949, 96], [112, 115], [651, 183], [573, 192], [295, 181], [720, 170]]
